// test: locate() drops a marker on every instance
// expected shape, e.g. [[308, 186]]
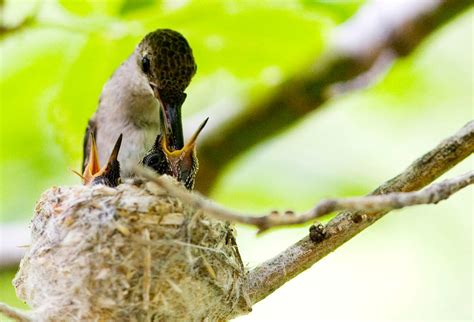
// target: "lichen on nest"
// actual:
[[129, 253]]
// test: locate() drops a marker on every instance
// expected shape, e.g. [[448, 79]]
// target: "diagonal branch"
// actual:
[[361, 50], [272, 274], [394, 200]]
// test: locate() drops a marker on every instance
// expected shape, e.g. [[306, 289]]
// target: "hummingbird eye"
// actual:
[[145, 64]]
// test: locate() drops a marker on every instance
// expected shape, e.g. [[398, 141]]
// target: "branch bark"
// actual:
[[272, 274], [362, 48]]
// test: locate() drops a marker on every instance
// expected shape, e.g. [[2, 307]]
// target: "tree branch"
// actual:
[[272, 274], [395, 200], [360, 51]]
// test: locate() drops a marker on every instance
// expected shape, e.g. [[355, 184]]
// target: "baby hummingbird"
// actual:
[[109, 174], [182, 163]]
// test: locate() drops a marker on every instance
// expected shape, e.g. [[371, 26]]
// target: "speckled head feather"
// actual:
[[167, 59]]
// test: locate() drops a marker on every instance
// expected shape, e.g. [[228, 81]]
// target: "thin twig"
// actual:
[[431, 195], [393, 196], [270, 275], [362, 49], [14, 314]]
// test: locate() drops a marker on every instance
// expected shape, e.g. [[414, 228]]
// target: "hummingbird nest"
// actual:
[[129, 253]]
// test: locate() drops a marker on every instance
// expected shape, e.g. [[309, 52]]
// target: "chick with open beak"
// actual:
[[109, 174], [143, 96], [182, 163]]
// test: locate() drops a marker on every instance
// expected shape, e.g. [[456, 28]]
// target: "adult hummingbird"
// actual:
[[181, 164], [144, 95]]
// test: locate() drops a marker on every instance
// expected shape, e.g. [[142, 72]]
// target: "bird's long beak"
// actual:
[[171, 118], [173, 125]]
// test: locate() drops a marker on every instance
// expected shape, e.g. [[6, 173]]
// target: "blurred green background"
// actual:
[[415, 264]]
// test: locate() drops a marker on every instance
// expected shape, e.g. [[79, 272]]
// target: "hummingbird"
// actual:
[[181, 164], [109, 174], [143, 98]]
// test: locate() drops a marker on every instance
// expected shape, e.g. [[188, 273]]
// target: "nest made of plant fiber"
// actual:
[[129, 253]]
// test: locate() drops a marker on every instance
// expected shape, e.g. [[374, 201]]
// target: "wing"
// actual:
[[91, 128]]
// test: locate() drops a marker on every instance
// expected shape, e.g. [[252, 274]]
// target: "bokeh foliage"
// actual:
[[52, 73]]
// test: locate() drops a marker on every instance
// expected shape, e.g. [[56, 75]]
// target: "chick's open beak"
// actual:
[[183, 160], [93, 165], [192, 141], [112, 162], [110, 173]]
